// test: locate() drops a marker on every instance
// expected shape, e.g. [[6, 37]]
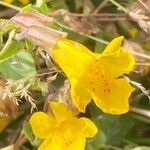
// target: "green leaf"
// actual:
[[42, 7], [115, 127], [11, 47], [97, 142], [27, 8], [6, 27], [20, 66], [27, 130]]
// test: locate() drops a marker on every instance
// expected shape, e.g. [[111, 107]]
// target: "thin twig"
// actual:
[[140, 111], [140, 54], [95, 15], [142, 64], [111, 19], [141, 2], [100, 6], [10, 6]]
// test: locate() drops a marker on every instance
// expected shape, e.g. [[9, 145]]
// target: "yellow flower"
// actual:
[[96, 76], [24, 2], [62, 130]]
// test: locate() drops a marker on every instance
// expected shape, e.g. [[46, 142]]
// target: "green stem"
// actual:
[[96, 39], [141, 55], [118, 5], [143, 112], [86, 35]]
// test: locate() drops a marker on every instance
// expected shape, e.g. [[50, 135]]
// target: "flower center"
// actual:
[[98, 78]]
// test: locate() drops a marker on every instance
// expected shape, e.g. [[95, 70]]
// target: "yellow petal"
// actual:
[[50, 143], [71, 134], [115, 98], [41, 124], [74, 142], [66, 141], [4, 122], [114, 45], [89, 129], [80, 95], [61, 111], [72, 57], [82, 126], [122, 64]]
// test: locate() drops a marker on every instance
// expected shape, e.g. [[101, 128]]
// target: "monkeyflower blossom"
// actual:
[[96, 76], [62, 130]]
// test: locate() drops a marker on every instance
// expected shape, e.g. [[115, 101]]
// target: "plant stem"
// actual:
[[100, 6], [95, 15], [86, 35], [10, 6], [96, 39], [141, 55], [140, 111], [140, 114], [144, 5], [118, 5]]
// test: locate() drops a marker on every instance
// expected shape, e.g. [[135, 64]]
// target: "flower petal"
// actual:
[[80, 95], [61, 111], [89, 129], [113, 46], [50, 143], [114, 100], [123, 63], [119, 60], [84, 127], [72, 57], [65, 141], [41, 124]]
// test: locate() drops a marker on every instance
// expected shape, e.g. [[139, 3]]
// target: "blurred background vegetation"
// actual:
[[29, 77]]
